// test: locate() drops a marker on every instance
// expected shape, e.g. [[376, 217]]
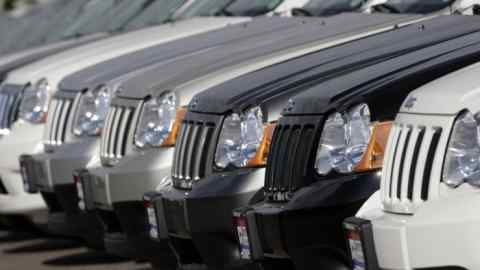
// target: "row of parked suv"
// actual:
[[238, 134]]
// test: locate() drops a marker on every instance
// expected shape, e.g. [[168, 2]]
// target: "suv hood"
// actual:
[[203, 63], [55, 67], [448, 95], [392, 79], [303, 72], [192, 45], [18, 59]]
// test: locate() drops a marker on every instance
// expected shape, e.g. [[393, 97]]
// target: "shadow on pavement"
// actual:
[[85, 258], [6, 237], [46, 245]]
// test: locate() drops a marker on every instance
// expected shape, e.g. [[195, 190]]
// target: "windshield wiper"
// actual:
[[386, 7], [301, 12]]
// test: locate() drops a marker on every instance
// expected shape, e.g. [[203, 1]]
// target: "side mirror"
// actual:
[[476, 9]]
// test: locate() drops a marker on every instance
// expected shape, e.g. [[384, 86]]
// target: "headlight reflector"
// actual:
[[35, 101], [345, 138], [240, 138], [462, 161], [157, 121], [92, 111]]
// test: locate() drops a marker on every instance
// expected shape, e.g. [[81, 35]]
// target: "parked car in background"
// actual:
[[219, 166], [29, 89], [187, 75], [427, 199]]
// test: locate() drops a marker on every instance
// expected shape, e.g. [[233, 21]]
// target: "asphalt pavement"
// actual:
[[27, 251]]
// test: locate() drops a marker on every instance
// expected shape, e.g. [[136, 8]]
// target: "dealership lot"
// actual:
[[29, 251]]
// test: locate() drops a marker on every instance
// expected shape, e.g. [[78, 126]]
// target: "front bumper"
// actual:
[[127, 234], [199, 220], [23, 138], [135, 174], [442, 233], [51, 175], [307, 226], [42, 172]]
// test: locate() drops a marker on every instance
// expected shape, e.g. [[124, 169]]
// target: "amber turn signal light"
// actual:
[[373, 157], [172, 138], [260, 158]]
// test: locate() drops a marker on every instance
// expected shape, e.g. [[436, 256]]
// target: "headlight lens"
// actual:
[[344, 140], [35, 101], [92, 110], [462, 162], [240, 138], [157, 121]]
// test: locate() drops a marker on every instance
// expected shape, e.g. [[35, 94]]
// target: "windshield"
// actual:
[[251, 8], [331, 7], [116, 17], [202, 8], [157, 13], [93, 10], [412, 6]]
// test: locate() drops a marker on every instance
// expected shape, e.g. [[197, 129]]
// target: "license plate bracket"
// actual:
[[359, 237]]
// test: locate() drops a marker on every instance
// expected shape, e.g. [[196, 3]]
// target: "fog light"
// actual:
[[152, 218], [240, 222]]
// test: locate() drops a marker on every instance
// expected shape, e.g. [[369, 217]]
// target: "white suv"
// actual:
[[426, 212]]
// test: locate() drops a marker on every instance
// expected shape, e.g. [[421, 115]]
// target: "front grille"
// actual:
[[193, 156], [9, 103], [411, 173], [117, 133], [292, 151], [59, 114]]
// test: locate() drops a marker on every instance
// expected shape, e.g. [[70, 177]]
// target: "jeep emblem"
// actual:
[[410, 102]]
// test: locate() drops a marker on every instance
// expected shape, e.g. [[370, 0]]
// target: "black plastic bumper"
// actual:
[[199, 221], [310, 224], [127, 235]]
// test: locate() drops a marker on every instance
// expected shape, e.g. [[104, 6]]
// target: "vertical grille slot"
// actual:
[[117, 128], [191, 153], [8, 110], [59, 114], [428, 167], [288, 160], [408, 177]]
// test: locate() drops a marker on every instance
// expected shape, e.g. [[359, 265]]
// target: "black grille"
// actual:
[[194, 151], [290, 161], [9, 102]]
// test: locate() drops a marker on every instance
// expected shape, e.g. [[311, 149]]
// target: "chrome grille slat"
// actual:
[[9, 103], [290, 162], [116, 133], [3, 103], [414, 158], [176, 155], [120, 148], [192, 151], [59, 117]]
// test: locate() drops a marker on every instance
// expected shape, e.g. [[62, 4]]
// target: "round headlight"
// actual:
[[157, 120], [92, 111], [344, 140], [331, 150], [35, 101], [462, 161], [240, 138]]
